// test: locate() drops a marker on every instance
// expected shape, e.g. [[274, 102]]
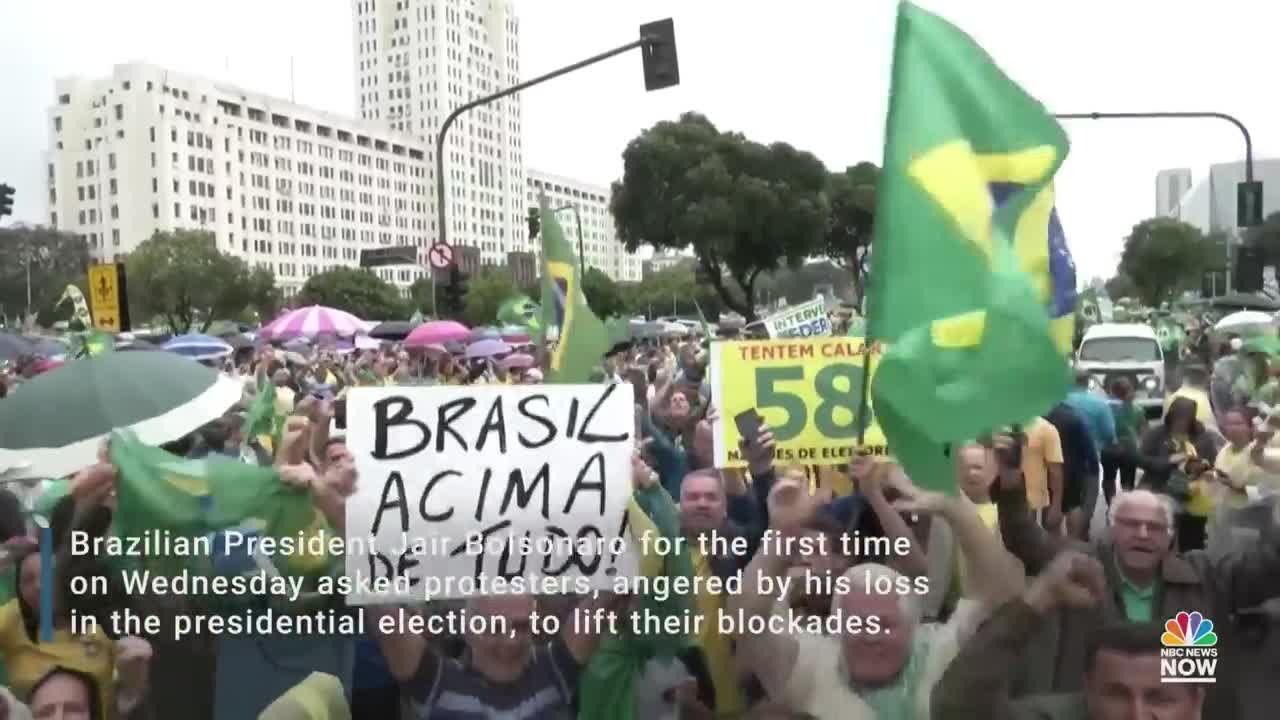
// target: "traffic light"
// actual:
[[661, 68], [455, 293], [535, 222], [1248, 270], [6, 200]]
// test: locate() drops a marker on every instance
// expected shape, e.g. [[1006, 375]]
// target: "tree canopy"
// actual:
[[57, 259], [852, 195], [486, 291], [744, 207], [1163, 256], [602, 293], [357, 291], [420, 296], [182, 278]]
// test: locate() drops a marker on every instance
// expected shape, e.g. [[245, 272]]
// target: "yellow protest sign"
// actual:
[[806, 389], [104, 296]]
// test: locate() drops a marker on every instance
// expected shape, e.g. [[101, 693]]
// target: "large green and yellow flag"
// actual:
[[960, 295], [583, 338], [207, 498]]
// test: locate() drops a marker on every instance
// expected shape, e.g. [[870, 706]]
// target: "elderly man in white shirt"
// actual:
[[884, 662]]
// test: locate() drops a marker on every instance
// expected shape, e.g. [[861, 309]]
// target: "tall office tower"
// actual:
[[418, 60]]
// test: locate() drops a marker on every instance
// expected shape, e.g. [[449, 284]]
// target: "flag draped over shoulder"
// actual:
[[607, 685], [972, 271], [583, 338], [204, 498]]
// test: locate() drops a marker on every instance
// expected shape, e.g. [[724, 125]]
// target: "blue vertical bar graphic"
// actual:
[[46, 584]]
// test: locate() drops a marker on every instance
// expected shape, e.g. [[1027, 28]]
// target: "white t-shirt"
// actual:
[[819, 684]]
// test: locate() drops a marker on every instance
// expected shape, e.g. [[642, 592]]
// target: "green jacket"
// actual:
[[977, 682]]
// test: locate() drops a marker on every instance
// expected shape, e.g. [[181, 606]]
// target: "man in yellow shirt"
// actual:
[[1195, 387], [1042, 468]]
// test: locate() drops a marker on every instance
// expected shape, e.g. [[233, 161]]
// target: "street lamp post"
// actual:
[[1248, 145], [499, 95], [658, 41]]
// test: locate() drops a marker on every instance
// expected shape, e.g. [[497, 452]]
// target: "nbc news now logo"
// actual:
[[1189, 653]]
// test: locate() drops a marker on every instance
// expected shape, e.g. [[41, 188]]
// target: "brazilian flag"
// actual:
[[583, 338], [207, 498], [972, 274]]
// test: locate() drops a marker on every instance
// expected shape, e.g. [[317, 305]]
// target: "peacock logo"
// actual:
[[1189, 653]]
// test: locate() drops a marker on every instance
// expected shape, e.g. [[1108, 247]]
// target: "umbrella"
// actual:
[[488, 347], [436, 332], [393, 330], [47, 346], [238, 341], [223, 328], [484, 333], [367, 343], [515, 334], [519, 360], [57, 421], [198, 347], [137, 344], [312, 321], [1244, 320], [14, 346]]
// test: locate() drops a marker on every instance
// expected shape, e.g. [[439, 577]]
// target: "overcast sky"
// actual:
[[811, 72]]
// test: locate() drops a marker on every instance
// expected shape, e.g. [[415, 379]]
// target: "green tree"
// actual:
[[1120, 286], [745, 208], [672, 291], [420, 296], [182, 278], [602, 293], [57, 259], [486, 291], [357, 291], [1162, 257], [852, 195]]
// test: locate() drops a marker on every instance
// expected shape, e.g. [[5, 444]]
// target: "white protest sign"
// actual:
[[488, 490], [804, 320]]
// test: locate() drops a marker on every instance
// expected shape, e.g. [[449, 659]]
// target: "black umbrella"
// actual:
[[393, 330], [237, 342]]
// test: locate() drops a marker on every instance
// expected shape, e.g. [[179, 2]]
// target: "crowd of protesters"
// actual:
[[1003, 600]]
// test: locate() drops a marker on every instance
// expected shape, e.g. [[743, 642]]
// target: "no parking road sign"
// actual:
[[440, 256]]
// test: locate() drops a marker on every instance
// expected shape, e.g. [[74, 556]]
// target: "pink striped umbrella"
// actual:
[[313, 321], [436, 332]]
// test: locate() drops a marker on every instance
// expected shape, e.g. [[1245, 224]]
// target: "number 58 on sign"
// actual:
[[806, 389]]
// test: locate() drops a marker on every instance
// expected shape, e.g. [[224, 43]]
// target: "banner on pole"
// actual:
[[807, 390], [804, 320], [488, 490]]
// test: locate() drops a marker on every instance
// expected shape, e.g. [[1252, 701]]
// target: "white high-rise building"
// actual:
[[278, 184], [1211, 204], [598, 240], [418, 60], [1171, 186]]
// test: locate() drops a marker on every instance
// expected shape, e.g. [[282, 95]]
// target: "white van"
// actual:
[[1113, 350]]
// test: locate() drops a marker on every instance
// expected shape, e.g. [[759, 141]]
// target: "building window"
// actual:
[[115, 212], [155, 186], [111, 161], [177, 211], [57, 124], [112, 185], [153, 133], [64, 99], [80, 192], [79, 169], [155, 210], [119, 112], [115, 237]]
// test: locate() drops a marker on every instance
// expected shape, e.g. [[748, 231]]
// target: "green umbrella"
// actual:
[[53, 425]]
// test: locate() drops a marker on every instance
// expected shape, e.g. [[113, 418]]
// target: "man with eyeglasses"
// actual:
[[1146, 581]]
